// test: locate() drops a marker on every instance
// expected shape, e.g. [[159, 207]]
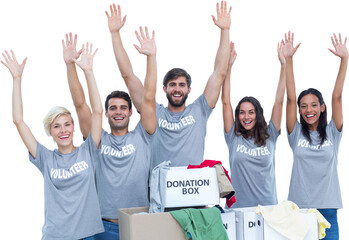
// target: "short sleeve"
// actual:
[[42, 154], [273, 132], [336, 135], [90, 146], [229, 137], [145, 136], [294, 135], [205, 108]]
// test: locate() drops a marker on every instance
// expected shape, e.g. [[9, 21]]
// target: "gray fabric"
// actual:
[[71, 203], [252, 169], [158, 187], [180, 136], [314, 181], [123, 170]]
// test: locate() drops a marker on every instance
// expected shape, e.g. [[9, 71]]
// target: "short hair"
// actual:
[[175, 73], [321, 128], [52, 115], [260, 129], [118, 94]]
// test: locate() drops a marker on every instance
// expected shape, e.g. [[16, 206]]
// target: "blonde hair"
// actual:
[[52, 115]]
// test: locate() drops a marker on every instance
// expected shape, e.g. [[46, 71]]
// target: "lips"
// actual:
[[63, 137]]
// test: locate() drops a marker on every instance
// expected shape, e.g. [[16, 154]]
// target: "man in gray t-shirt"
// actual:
[[181, 129], [122, 168]]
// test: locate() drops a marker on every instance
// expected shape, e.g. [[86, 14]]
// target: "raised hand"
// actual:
[[12, 64], [233, 54], [223, 16], [280, 52], [340, 49], [148, 46], [69, 48], [288, 49], [114, 19], [86, 61]]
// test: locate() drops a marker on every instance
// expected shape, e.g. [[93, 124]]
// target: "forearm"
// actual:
[[280, 91], [132, 82], [76, 90], [148, 111], [338, 88], [150, 79], [121, 56], [95, 100], [17, 104], [290, 83], [222, 56], [226, 87]]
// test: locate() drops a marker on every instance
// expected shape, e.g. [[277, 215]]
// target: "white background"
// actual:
[[186, 37]]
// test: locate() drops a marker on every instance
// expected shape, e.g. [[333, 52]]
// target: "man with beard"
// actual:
[[181, 129], [122, 169]]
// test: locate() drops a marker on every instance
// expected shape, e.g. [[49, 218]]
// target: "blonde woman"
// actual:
[[71, 203]]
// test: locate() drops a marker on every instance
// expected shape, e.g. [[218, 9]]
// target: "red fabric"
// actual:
[[211, 163]]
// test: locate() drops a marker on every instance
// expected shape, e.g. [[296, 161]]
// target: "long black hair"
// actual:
[[321, 127], [260, 129]]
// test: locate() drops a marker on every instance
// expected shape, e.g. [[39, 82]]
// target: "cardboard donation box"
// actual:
[[251, 226], [191, 187], [159, 226], [150, 226]]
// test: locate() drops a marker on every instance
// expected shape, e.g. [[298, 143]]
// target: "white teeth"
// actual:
[[309, 116], [248, 122]]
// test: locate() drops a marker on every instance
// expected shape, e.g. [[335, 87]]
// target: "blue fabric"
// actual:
[[331, 216], [111, 232], [88, 238]]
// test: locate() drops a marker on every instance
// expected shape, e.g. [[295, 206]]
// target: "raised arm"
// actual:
[[134, 85], [291, 106], [82, 109], [16, 70], [276, 114], [215, 81], [228, 114], [86, 64], [340, 50], [148, 109]]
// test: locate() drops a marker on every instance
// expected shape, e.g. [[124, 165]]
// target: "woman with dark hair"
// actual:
[[314, 181], [251, 142]]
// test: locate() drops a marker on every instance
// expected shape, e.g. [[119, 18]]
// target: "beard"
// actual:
[[176, 103]]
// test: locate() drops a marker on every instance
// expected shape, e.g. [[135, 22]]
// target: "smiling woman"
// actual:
[[187, 39], [71, 203]]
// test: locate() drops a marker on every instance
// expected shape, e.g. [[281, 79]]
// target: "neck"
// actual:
[[119, 132], [175, 108], [66, 149]]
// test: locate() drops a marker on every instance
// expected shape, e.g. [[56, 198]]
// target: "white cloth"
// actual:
[[285, 218]]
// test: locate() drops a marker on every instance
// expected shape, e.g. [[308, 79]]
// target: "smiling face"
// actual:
[[247, 115], [310, 110], [62, 131], [177, 91], [118, 114]]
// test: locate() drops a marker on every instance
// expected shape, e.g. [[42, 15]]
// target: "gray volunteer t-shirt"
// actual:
[[123, 170], [180, 136], [71, 202], [252, 169], [314, 181]]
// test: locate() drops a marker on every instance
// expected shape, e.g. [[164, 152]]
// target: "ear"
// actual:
[[323, 107], [164, 88], [106, 114], [189, 90], [130, 112]]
